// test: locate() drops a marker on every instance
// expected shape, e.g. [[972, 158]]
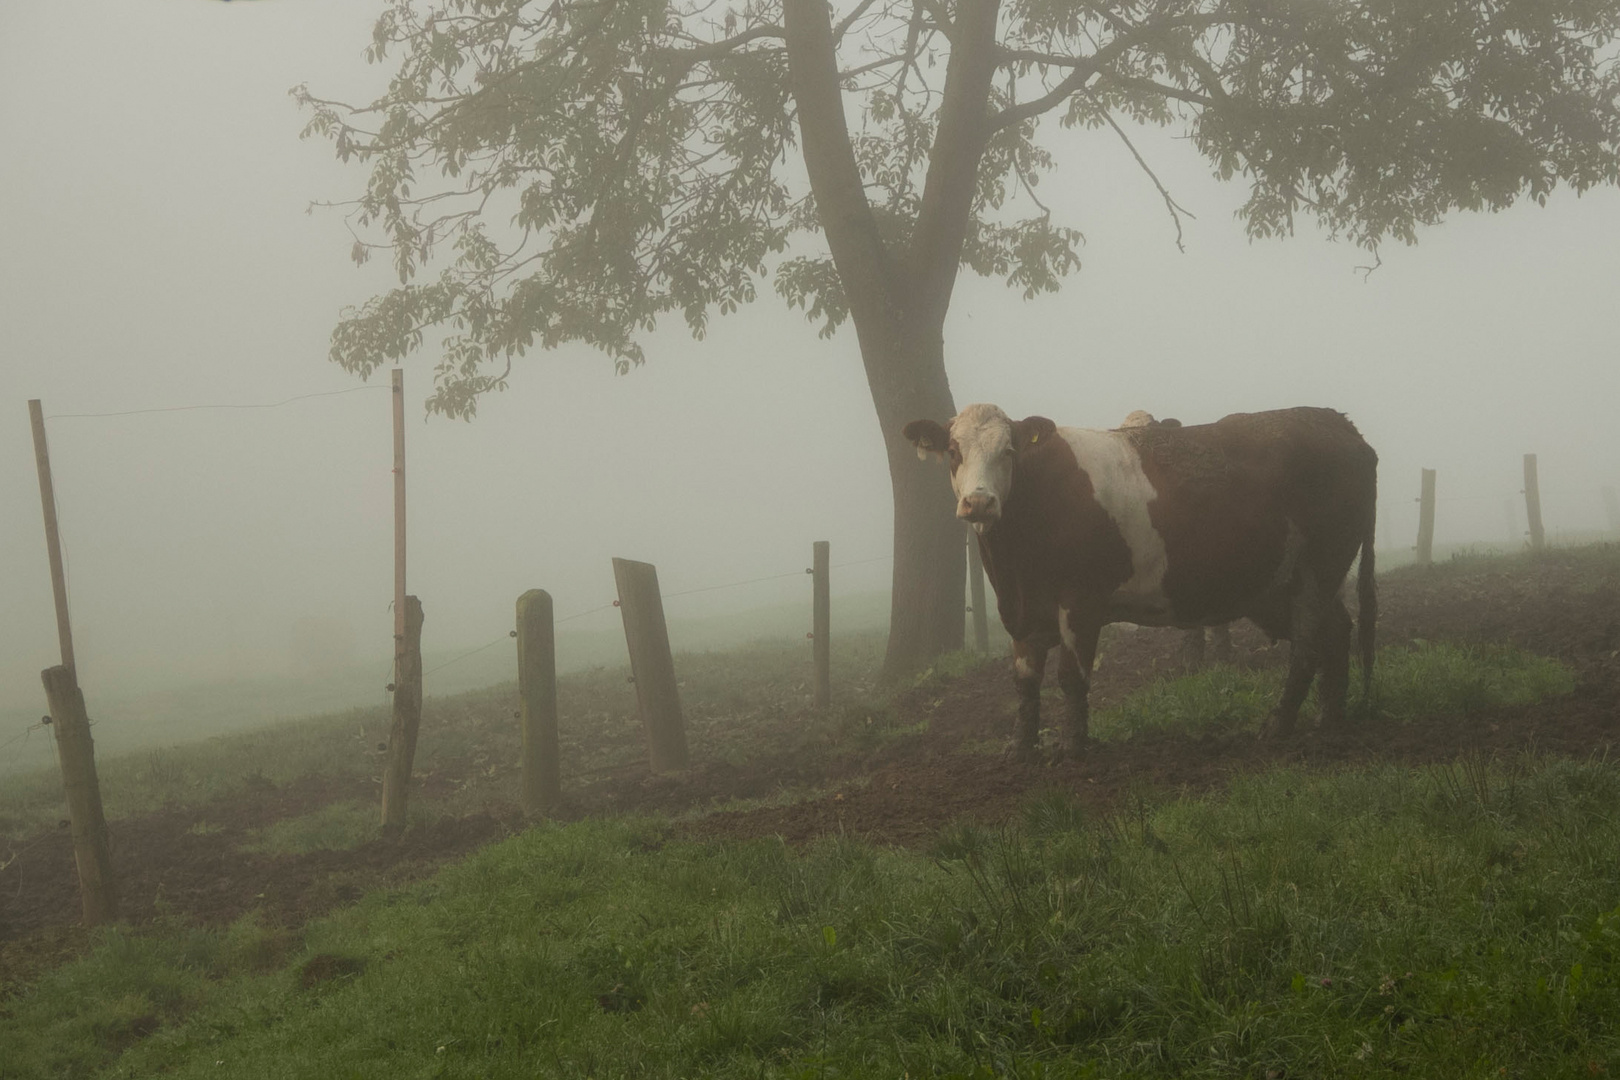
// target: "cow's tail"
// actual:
[[1367, 601]]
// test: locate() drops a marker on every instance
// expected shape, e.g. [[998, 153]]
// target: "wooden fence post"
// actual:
[[652, 667], [407, 719], [537, 691], [1532, 503], [76, 750], [1425, 541], [1611, 505], [981, 617], [821, 621], [53, 536]]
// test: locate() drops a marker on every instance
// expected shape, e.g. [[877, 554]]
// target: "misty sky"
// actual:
[[157, 253]]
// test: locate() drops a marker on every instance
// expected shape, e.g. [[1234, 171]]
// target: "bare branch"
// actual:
[[1176, 210]]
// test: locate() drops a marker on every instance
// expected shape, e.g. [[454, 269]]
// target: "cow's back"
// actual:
[[1239, 502]]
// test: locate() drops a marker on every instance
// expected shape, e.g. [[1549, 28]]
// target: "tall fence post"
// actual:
[[76, 750], [821, 622], [537, 692], [407, 719], [1425, 541], [1611, 505], [652, 666], [53, 536], [1532, 503], [981, 617]]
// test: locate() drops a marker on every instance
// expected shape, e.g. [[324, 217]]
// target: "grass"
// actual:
[[1454, 921], [1430, 679], [337, 826]]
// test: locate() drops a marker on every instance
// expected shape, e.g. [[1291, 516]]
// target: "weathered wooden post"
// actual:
[[1611, 505], [821, 622], [76, 750], [652, 667], [981, 617], [407, 720], [1425, 541], [537, 692], [1532, 503]]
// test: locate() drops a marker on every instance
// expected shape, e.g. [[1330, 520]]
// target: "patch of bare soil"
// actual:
[[1565, 604]]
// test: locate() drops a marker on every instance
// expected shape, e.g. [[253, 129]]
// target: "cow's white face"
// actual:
[[981, 455], [981, 445]]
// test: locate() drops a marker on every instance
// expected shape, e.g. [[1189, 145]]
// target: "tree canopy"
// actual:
[[594, 165]]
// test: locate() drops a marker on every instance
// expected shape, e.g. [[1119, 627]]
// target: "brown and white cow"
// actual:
[[1257, 515]]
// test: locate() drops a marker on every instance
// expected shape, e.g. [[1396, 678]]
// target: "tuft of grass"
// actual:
[[337, 826], [1430, 679], [1448, 921]]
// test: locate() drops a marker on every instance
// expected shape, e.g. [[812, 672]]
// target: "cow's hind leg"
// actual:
[[1334, 688], [1079, 652], [1305, 651], [1029, 667]]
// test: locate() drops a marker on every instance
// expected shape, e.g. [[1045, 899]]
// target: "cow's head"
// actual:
[[982, 446]]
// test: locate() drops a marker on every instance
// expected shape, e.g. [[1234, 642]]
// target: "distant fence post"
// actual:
[[981, 617], [651, 664], [1425, 541], [77, 752], [1532, 503], [1611, 504], [537, 691], [821, 622], [407, 719]]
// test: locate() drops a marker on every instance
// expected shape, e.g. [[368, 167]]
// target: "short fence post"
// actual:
[[821, 622], [1532, 503], [537, 692], [1425, 542], [981, 617], [1611, 504], [77, 752], [652, 667], [407, 719]]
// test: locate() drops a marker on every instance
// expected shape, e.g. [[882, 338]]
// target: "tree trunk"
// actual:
[[928, 599], [898, 304]]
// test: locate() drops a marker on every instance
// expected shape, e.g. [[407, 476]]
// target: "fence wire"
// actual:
[[665, 596]]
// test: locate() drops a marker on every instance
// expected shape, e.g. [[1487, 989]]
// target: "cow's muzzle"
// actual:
[[979, 508]]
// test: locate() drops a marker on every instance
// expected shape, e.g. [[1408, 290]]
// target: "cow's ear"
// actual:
[[928, 436], [1031, 431]]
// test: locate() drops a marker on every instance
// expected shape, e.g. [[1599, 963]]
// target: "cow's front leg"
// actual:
[[1029, 667], [1080, 633]]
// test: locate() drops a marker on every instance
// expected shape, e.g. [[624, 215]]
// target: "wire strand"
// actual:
[[193, 408]]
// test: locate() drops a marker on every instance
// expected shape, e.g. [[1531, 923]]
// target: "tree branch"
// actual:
[[1170, 204], [846, 215], [953, 162]]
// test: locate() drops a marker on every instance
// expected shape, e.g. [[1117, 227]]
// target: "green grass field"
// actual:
[[1456, 921], [1459, 920]]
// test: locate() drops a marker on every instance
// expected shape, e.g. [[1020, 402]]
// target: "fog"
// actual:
[[158, 253]]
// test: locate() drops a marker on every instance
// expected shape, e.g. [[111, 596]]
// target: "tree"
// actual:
[[666, 156]]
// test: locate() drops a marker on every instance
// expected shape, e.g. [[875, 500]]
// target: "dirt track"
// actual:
[[1566, 605]]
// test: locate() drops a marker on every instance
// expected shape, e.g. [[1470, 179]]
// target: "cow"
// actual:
[[1257, 515]]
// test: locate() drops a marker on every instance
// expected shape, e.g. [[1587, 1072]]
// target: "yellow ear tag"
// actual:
[[1035, 438]]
